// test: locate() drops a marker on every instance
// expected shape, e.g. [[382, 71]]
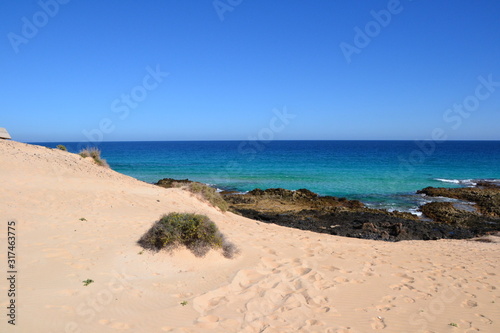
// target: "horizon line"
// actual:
[[289, 140]]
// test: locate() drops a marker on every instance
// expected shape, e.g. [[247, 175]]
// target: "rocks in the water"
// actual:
[[485, 195], [281, 200], [446, 212], [307, 210]]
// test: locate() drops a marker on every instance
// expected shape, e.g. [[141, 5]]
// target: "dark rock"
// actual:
[[446, 212], [487, 198], [306, 210], [368, 225], [170, 182]]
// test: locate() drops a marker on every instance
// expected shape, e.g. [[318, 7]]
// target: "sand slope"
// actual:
[[284, 280]]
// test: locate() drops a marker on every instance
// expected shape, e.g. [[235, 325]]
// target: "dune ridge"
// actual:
[[77, 221]]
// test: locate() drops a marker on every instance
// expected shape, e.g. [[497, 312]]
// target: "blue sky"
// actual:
[[66, 70]]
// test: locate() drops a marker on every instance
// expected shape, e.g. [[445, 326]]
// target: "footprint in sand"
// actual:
[[208, 322], [341, 279], [384, 307], [378, 323], [396, 286], [388, 298], [406, 278], [329, 268], [484, 319], [302, 270], [271, 252], [246, 278], [269, 263], [469, 304], [408, 299], [323, 285]]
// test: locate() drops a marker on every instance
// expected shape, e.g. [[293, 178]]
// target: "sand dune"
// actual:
[[77, 221]]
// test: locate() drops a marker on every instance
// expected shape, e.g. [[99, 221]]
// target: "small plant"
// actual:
[[184, 303], [204, 191], [210, 194], [83, 219], [197, 232], [141, 252], [87, 282], [453, 324], [95, 153], [62, 147]]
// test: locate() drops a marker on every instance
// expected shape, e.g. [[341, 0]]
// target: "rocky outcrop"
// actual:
[[446, 212], [306, 210], [170, 182], [485, 195], [483, 218], [366, 224], [281, 200]]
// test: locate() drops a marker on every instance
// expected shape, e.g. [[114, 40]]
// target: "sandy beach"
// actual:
[[75, 221]]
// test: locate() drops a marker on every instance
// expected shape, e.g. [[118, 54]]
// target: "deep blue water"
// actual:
[[380, 173]]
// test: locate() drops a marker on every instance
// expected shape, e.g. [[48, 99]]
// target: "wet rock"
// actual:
[[306, 210], [486, 196], [446, 212]]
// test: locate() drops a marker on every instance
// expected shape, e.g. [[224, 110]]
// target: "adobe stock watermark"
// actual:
[[96, 303], [123, 105], [223, 6], [257, 143], [373, 28], [453, 117], [31, 26], [435, 308]]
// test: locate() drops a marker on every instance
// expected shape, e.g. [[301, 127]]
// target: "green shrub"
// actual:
[[206, 192], [95, 153], [210, 194], [62, 147], [197, 232]]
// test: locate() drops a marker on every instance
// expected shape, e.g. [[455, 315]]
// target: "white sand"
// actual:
[[284, 280]]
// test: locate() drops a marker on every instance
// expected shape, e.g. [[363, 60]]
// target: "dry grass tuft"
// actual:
[[95, 153]]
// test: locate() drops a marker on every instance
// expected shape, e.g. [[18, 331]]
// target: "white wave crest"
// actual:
[[466, 182]]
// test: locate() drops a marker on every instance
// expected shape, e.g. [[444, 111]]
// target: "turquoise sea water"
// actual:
[[382, 174]]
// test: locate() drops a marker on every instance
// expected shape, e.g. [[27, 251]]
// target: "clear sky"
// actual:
[[124, 70]]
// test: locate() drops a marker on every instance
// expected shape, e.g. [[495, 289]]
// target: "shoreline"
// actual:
[[284, 279], [446, 213], [381, 201], [345, 169]]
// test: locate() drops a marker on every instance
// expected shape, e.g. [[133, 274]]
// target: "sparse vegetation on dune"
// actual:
[[196, 232], [95, 153], [210, 194], [206, 192], [62, 147]]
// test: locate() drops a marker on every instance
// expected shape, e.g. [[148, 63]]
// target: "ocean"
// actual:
[[382, 174]]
